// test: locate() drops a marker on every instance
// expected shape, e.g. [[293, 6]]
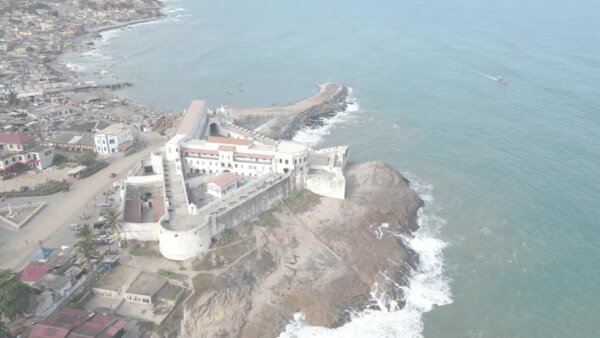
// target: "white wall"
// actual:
[[185, 244], [326, 184], [157, 163], [140, 231]]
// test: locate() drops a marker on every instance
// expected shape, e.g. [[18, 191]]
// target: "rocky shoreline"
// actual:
[[315, 116], [284, 122], [315, 255]]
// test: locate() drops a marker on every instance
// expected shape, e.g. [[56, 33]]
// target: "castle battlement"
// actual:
[[213, 175]]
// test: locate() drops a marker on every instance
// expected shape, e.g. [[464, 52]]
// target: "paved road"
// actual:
[[51, 224]]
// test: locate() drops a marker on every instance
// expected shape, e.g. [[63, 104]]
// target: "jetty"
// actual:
[[284, 121]]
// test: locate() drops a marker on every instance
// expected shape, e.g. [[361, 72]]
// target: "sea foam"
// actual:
[[427, 287], [313, 136]]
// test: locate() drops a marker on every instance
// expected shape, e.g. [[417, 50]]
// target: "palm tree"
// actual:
[[112, 219], [86, 245]]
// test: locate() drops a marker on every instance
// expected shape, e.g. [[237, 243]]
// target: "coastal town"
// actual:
[[109, 209]]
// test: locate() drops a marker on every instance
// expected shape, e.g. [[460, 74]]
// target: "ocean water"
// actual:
[[510, 231]]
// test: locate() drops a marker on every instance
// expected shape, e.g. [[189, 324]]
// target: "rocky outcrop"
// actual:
[[313, 254], [284, 122], [314, 116]]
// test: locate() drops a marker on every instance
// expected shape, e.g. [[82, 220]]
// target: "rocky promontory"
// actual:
[[316, 255], [284, 122]]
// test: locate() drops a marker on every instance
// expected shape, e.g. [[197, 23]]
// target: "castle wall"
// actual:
[[326, 184], [157, 162], [140, 231], [184, 244], [252, 207]]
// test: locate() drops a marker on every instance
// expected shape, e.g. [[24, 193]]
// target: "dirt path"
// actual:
[[63, 208]]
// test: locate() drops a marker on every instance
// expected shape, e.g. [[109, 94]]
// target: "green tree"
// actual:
[[4, 332], [12, 99], [87, 158], [14, 294], [86, 245], [112, 219]]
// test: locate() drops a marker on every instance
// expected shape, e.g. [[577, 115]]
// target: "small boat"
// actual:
[[229, 92], [501, 80]]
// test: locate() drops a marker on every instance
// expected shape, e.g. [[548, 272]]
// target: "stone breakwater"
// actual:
[[284, 122], [314, 116]]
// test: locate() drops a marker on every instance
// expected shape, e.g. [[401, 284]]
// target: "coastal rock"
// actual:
[[315, 255], [284, 122]]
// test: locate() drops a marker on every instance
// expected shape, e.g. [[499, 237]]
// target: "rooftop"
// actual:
[[54, 282], [72, 137], [224, 179], [69, 322], [115, 279], [87, 126], [229, 140], [146, 284], [115, 129], [193, 112], [34, 272], [290, 147], [10, 138]]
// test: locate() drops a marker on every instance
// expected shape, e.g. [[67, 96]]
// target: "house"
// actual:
[[113, 139], [222, 185], [55, 283], [38, 158], [69, 322], [73, 141], [144, 289], [110, 286], [16, 143], [34, 272]]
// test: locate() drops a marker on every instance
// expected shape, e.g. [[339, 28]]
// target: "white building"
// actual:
[[212, 175], [38, 158], [222, 185], [113, 139]]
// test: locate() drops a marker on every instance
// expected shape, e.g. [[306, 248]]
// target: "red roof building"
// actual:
[[16, 142], [75, 323], [34, 272]]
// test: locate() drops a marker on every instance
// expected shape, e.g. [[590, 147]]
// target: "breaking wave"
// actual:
[[313, 136], [427, 287]]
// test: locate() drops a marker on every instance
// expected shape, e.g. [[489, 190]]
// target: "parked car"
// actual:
[[102, 218], [75, 226], [112, 175], [105, 205]]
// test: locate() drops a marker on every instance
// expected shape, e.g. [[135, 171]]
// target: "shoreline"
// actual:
[[98, 30], [286, 121]]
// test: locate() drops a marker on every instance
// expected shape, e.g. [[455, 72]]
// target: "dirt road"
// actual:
[[51, 224]]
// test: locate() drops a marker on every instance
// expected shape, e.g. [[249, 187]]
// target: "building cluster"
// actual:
[[54, 273], [139, 287], [213, 175], [40, 96], [67, 322], [23, 150], [32, 31]]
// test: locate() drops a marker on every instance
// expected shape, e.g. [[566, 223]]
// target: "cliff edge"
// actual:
[[312, 254]]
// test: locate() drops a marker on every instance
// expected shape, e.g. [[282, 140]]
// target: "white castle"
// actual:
[[213, 175]]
